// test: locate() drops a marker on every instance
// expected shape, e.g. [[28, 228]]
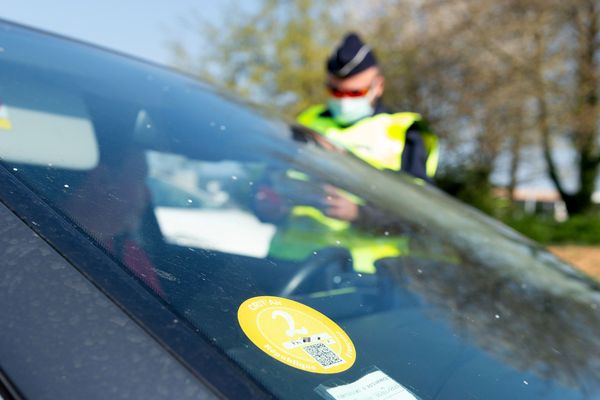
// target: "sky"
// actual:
[[137, 27]]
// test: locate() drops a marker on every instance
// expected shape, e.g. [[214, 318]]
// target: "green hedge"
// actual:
[[581, 229]]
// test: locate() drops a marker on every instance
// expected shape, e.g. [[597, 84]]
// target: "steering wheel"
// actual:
[[324, 266]]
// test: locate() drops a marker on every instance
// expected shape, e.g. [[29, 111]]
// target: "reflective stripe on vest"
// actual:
[[378, 140], [308, 230]]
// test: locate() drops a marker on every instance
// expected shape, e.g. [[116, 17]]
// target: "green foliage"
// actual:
[[275, 54], [470, 185], [580, 229]]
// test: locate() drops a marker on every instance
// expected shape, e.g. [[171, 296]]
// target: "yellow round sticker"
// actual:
[[296, 335]]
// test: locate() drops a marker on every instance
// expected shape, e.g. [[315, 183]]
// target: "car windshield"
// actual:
[[207, 203]]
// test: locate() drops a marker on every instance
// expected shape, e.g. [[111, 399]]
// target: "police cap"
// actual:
[[350, 57]]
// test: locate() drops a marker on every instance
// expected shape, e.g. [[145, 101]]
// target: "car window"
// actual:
[[208, 203]]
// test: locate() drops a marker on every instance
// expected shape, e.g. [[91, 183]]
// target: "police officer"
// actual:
[[355, 118]]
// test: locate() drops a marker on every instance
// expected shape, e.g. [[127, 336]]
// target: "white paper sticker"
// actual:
[[375, 386]]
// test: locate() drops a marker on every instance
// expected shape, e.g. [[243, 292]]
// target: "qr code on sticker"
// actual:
[[323, 355]]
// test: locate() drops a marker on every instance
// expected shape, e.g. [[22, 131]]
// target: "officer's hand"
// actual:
[[339, 206], [327, 145]]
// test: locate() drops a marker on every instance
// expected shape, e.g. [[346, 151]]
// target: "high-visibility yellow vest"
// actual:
[[378, 140], [307, 230]]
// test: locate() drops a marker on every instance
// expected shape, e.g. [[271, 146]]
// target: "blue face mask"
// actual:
[[348, 110]]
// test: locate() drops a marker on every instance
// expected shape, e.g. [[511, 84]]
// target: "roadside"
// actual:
[[586, 258]]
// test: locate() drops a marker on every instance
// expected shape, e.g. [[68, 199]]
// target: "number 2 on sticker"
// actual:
[[291, 323]]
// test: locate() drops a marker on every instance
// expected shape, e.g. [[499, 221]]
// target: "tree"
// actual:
[[274, 54], [496, 77], [441, 63], [561, 77], [582, 22]]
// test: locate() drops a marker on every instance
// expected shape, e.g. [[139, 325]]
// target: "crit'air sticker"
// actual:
[[296, 335], [4, 120]]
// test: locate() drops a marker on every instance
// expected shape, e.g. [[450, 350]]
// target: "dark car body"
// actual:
[[139, 209]]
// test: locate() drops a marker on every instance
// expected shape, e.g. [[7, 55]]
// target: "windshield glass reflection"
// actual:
[[208, 203]]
